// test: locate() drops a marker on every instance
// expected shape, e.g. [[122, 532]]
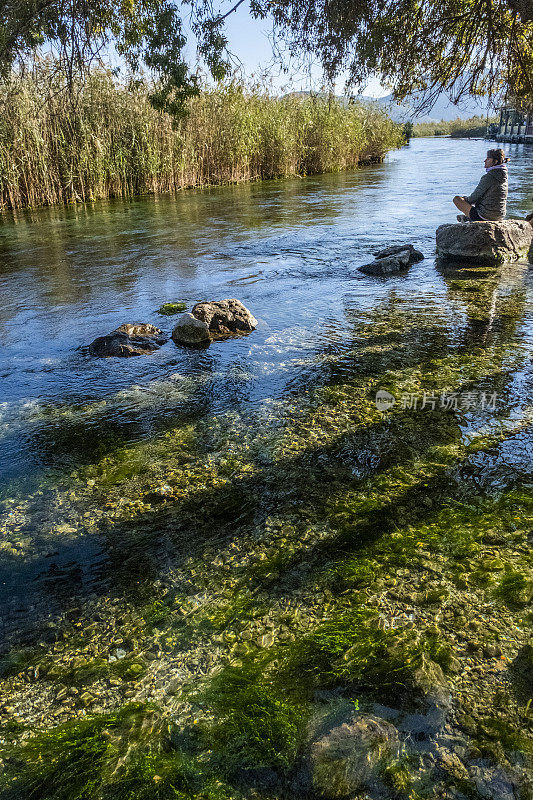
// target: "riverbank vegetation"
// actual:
[[457, 128], [107, 140]]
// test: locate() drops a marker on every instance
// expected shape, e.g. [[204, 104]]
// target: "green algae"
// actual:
[[92, 670], [507, 735], [351, 649], [359, 496], [169, 309], [255, 725], [125, 755], [68, 762], [17, 660], [398, 777], [515, 588], [168, 776]]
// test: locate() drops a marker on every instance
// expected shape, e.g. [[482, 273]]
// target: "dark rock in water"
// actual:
[[484, 242], [522, 668], [129, 339], [387, 265], [492, 782], [225, 317], [118, 344], [414, 257], [263, 777], [191, 331], [352, 755], [393, 259]]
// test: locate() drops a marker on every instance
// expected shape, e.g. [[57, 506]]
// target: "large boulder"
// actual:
[[129, 339], [191, 331], [225, 317], [484, 242], [352, 755]]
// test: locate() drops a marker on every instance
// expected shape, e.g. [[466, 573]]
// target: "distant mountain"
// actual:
[[441, 110], [404, 112]]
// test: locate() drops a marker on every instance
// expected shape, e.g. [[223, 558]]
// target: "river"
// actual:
[[82, 438]]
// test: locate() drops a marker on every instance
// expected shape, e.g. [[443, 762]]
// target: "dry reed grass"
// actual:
[[106, 140]]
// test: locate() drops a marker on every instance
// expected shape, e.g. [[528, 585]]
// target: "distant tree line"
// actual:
[[456, 128]]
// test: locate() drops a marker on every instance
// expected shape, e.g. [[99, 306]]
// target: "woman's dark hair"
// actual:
[[498, 156]]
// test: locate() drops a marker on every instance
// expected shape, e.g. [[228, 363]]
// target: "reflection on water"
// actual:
[[82, 439]]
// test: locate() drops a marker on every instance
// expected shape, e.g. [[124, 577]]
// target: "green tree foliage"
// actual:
[[418, 46], [143, 32]]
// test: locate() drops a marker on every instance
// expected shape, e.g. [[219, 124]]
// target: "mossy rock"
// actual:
[[398, 777], [515, 588], [352, 755], [169, 309]]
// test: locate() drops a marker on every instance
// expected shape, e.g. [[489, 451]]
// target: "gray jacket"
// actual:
[[490, 195]]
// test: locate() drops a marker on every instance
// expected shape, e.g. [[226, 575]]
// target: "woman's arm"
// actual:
[[479, 191]]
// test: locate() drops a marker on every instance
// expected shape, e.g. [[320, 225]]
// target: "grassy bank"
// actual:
[[457, 128], [108, 141]]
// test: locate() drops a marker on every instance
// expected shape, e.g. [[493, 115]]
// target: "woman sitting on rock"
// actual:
[[487, 203]]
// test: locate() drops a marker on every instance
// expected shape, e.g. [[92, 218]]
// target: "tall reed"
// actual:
[[106, 140]]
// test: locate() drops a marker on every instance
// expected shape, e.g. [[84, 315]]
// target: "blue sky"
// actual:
[[250, 43]]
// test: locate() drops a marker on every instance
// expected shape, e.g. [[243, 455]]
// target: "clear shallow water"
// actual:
[[289, 250]]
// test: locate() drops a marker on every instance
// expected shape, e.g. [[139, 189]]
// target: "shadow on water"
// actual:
[[64, 437], [393, 347]]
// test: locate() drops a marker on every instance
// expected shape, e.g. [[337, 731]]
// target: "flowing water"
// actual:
[[185, 480], [287, 249]]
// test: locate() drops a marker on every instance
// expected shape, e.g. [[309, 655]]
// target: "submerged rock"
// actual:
[[129, 339], [522, 668], [191, 331], [353, 754], [494, 783], [484, 242], [428, 681], [224, 317]]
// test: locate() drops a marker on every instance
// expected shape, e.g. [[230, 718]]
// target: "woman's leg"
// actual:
[[462, 205]]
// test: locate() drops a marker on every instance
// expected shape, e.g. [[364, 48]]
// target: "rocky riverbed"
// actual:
[[300, 591]]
